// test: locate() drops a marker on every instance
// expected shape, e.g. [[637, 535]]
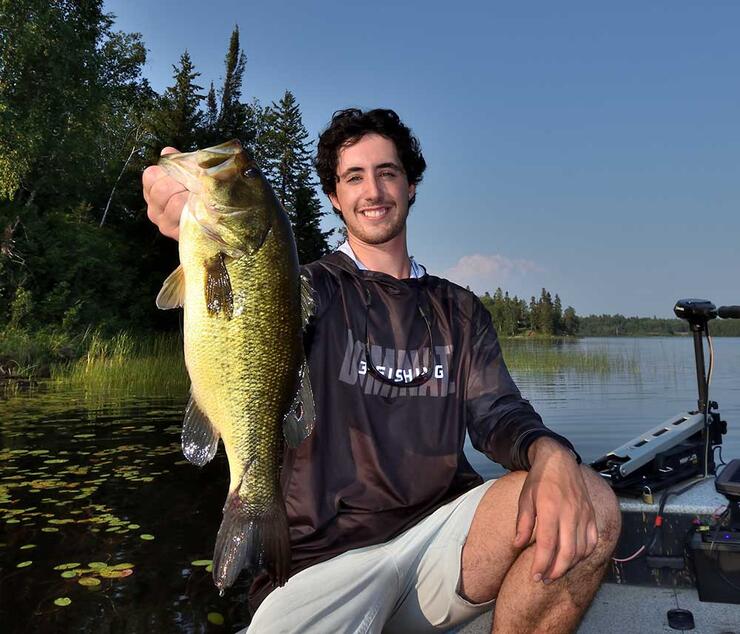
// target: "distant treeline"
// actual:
[[619, 325], [78, 124], [545, 316]]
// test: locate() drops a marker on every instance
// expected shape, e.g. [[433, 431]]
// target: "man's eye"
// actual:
[[388, 174], [354, 179]]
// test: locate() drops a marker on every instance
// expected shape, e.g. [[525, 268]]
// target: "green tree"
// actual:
[[285, 153], [178, 120], [211, 115], [570, 322], [557, 316], [286, 148], [64, 76], [232, 115], [73, 102], [311, 241]]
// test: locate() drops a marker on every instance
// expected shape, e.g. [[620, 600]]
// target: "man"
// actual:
[[391, 529]]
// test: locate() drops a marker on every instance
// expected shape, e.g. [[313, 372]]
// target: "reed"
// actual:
[[552, 356], [127, 365]]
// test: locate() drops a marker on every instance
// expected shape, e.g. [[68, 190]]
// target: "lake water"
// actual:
[[600, 412], [100, 481]]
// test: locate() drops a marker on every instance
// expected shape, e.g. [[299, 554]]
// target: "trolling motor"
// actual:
[[681, 447]]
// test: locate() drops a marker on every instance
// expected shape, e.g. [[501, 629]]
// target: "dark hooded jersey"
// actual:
[[387, 448]]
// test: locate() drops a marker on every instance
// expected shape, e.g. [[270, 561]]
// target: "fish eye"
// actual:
[[252, 172]]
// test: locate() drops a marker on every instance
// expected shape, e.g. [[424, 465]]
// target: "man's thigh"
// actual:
[[351, 593], [430, 569]]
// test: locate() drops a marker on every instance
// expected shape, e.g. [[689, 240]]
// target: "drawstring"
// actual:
[[423, 377]]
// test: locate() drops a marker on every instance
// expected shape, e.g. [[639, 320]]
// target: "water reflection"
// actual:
[[93, 486]]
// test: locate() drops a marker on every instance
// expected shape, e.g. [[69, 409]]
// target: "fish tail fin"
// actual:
[[251, 538]]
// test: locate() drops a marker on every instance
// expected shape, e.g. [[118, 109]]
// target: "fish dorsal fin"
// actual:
[[219, 294], [301, 418], [172, 293], [308, 305], [199, 436]]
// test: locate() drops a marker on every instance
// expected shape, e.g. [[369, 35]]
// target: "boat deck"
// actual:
[[623, 609]]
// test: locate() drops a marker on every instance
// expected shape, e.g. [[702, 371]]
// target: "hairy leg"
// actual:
[[492, 567]]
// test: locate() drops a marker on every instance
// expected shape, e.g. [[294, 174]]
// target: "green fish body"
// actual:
[[240, 287]]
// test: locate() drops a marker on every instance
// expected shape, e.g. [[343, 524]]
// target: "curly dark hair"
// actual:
[[349, 126]]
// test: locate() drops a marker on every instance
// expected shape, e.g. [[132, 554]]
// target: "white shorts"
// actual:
[[408, 584]]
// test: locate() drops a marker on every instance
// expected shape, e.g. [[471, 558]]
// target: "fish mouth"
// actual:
[[220, 162], [224, 160]]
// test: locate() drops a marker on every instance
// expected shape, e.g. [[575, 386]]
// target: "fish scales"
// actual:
[[250, 357]]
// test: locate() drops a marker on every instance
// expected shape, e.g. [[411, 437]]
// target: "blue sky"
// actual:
[[588, 147]]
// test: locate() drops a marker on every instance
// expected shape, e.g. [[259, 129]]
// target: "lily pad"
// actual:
[[146, 536], [201, 562], [215, 618], [68, 566], [133, 527], [24, 564], [62, 602], [209, 568], [69, 574], [109, 573], [88, 581], [123, 566], [97, 565], [50, 529], [27, 546]]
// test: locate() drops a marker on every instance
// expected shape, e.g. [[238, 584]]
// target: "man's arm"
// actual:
[[554, 507], [501, 423]]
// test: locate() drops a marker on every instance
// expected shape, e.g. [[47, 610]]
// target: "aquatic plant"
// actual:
[[554, 355], [127, 365]]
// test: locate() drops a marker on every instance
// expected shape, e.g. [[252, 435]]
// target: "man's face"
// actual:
[[373, 191]]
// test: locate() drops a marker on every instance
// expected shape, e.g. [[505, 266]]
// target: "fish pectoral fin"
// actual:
[[219, 294], [308, 305], [301, 418], [199, 436], [172, 293]]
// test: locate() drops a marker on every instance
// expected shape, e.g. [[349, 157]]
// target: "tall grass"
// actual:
[[127, 365], [551, 356], [27, 355]]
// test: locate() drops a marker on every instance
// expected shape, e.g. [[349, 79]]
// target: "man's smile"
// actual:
[[374, 212]]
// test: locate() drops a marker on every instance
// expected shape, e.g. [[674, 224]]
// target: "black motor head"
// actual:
[[695, 310]]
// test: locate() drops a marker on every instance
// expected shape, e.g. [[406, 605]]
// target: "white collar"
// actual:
[[416, 270]]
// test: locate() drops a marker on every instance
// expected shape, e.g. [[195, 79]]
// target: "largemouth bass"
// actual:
[[245, 305]]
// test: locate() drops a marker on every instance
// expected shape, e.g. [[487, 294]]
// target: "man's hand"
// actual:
[[555, 495], [165, 198]]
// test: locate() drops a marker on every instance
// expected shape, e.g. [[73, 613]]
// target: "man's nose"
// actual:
[[373, 189]]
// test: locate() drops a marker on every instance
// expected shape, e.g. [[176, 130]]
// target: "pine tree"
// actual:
[[208, 133], [570, 321], [545, 313], [287, 149], [231, 116], [557, 316], [284, 152], [179, 119], [312, 243]]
